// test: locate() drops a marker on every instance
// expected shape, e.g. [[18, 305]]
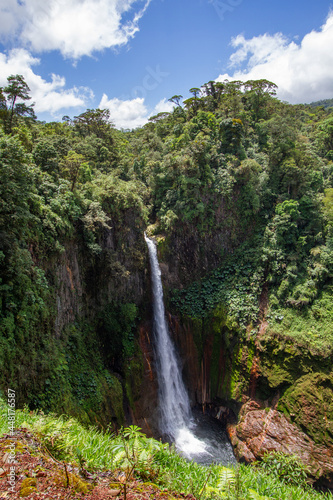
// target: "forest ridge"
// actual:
[[230, 158]]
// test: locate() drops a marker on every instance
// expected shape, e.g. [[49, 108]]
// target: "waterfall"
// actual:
[[175, 411]]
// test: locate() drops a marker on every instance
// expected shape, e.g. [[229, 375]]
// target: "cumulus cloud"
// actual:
[[10, 17], [163, 106], [129, 113], [303, 71], [132, 113], [49, 96], [75, 27]]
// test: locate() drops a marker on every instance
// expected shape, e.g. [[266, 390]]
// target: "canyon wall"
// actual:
[[242, 376]]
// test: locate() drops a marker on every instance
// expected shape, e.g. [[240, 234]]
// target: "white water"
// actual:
[[176, 416]]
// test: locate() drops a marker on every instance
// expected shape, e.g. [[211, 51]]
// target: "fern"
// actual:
[[255, 496], [227, 479]]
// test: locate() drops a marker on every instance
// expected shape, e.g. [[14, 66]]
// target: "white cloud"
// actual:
[[75, 27], [132, 113], [49, 96], [10, 16], [303, 72], [163, 106], [52, 96]]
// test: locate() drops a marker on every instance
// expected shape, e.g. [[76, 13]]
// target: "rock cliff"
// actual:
[[288, 385]]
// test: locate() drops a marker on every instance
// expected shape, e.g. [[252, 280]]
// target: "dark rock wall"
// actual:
[[85, 283]]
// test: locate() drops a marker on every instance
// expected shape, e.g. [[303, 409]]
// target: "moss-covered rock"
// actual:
[[25, 492], [283, 360], [309, 404], [73, 481]]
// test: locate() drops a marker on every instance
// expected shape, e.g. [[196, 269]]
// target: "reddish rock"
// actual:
[[242, 452], [251, 426], [265, 431]]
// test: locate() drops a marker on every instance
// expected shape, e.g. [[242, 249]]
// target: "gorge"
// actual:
[[236, 189]]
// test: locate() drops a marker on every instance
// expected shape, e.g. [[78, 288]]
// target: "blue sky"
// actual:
[[132, 55]]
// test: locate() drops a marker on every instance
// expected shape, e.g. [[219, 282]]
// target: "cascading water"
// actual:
[[176, 418], [200, 439]]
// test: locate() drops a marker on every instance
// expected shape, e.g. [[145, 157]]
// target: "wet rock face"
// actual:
[[69, 286], [145, 413], [85, 284], [261, 431]]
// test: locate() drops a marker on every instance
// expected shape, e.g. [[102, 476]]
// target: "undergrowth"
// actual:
[[311, 326], [237, 285], [152, 460]]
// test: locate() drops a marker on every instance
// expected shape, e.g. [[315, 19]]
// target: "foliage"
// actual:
[[236, 285], [17, 187], [311, 326], [73, 167], [239, 183], [68, 440], [117, 328], [12, 102], [288, 468]]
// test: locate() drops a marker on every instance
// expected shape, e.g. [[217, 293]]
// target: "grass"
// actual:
[[312, 327], [154, 461]]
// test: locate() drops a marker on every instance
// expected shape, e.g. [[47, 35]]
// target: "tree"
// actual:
[[258, 93], [73, 165], [193, 103], [2, 100], [195, 91], [325, 138], [159, 116], [212, 92], [232, 98], [95, 127], [16, 187], [46, 156], [94, 121], [176, 99], [231, 134], [328, 205], [11, 98], [67, 120]]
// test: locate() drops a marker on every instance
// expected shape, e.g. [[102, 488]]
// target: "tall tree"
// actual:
[[11, 99], [212, 92], [95, 121], [258, 94], [176, 99]]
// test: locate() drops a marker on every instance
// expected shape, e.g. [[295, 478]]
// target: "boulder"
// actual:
[[261, 431]]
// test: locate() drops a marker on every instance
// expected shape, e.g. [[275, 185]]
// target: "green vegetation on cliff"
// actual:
[[70, 246], [238, 187]]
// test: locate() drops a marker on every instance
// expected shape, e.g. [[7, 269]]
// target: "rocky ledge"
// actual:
[[261, 431]]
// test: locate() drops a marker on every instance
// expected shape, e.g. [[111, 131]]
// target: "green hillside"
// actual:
[[237, 189]]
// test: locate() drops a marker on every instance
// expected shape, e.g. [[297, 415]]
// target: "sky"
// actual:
[[131, 56]]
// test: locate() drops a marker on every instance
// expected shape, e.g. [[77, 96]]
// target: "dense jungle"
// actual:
[[236, 188]]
